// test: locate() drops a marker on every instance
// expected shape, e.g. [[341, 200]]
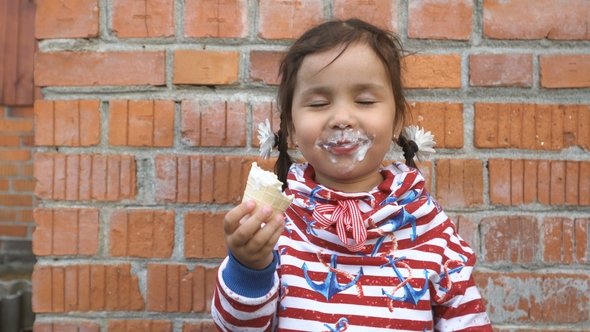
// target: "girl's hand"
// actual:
[[249, 241]]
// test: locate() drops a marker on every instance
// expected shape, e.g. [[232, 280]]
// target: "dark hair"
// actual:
[[324, 37]]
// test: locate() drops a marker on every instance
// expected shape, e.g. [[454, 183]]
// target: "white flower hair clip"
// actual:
[[267, 139], [423, 141]]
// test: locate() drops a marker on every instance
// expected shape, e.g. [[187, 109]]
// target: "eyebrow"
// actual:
[[355, 88]]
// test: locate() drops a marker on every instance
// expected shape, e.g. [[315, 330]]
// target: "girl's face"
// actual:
[[343, 115]]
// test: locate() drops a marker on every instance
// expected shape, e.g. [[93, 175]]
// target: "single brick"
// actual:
[[213, 123], [536, 19], [443, 120], [77, 121], [509, 239], [205, 67], [565, 240], [22, 185], [100, 68], [500, 181], [432, 71], [9, 141], [16, 200], [74, 19], [137, 19], [565, 70], [459, 182], [141, 123], [264, 66], [202, 231], [14, 231], [218, 19], [288, 19], [16, 126], [435, 19], [8, 169], [501, 70], [379, 13], [141, 233], [65, 232], [534, 297], [15, 155], [93, 179]]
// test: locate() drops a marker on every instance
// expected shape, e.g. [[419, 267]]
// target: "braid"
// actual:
[[284, 161], [410, 148]]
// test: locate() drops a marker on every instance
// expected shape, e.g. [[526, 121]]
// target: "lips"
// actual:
[[343, 148]]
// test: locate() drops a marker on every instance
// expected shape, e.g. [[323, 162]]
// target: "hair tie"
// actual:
[[267, 139], [419, 143]]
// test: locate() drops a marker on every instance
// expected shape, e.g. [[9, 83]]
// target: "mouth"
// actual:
[[343, 147]]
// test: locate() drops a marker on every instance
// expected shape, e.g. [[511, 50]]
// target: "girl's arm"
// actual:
[[457, 304], [245, 298], [246, 292]]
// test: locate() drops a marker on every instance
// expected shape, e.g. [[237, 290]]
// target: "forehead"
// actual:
[[355, 62]]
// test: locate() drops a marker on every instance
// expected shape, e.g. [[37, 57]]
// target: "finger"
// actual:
[[233, 217], [267, 235], [246, 230]]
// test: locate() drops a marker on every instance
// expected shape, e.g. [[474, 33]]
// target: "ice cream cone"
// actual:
[[265, 188]]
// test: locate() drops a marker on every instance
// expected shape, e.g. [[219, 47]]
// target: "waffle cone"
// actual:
[[265, 194]]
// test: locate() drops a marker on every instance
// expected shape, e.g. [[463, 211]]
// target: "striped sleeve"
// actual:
[[461, 308], [233, 312]]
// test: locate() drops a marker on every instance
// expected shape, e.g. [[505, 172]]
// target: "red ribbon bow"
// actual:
[[347, 217]]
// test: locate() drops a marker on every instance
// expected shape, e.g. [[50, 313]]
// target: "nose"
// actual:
[[343, 116]]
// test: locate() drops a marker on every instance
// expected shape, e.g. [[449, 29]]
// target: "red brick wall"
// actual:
[[148, 129]]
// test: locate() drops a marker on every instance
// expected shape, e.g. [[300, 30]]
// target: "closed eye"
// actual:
[[316, 105], [366, 102]]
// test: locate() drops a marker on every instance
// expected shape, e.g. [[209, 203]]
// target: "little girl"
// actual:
[[361, 248]]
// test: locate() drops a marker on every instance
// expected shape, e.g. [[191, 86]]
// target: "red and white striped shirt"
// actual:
[[406, 270]]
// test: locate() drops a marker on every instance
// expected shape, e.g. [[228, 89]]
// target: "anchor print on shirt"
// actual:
[[410, 294], [311, 198], [446, 276], [330, 286], [401, 219], [341, 326]]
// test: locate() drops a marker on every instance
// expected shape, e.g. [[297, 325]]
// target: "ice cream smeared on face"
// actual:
[[348, 143]]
